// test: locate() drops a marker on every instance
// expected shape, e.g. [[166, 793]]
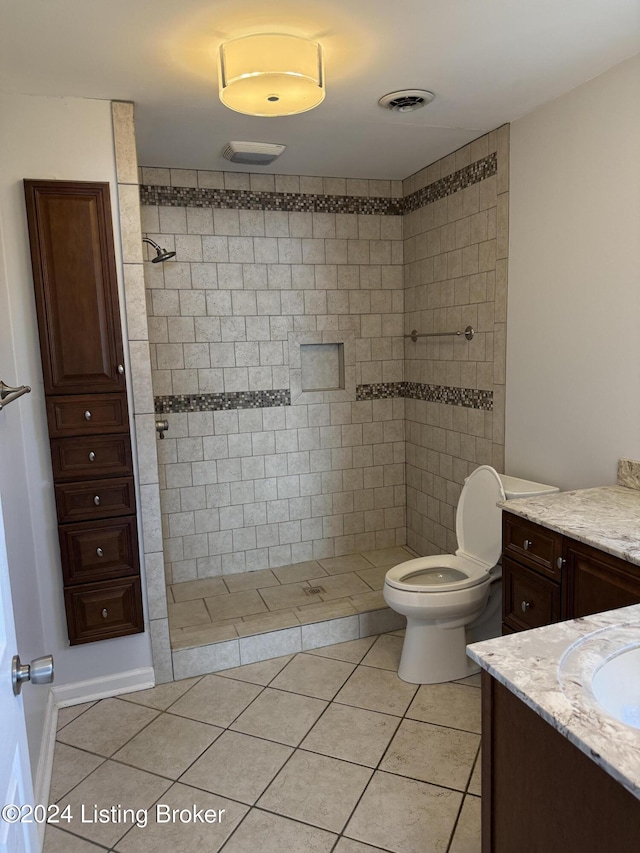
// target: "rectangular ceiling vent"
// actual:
[[252, 153]]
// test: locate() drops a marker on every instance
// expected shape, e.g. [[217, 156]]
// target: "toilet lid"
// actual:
[[478, 519]]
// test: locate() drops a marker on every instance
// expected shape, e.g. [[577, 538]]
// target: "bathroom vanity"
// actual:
[[559, 774], [568, 555]]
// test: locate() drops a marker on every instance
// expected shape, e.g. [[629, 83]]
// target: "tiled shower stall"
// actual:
[[303, 425]]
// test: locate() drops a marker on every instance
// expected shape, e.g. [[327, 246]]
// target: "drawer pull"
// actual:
[[99, 552], [92, 456], [96, 500], [87, 415], [105, 613], [525, 606], [528, 544], [561, 562]]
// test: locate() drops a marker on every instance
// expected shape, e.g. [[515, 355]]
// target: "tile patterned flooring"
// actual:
[[321, 752], [212, 610]]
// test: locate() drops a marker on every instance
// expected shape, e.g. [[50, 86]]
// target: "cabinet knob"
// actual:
[[120, 369], [525, 606], [105, 613], [96, 500], [528, 544], [561, 562], [99, 552], [92, 456], [87, 415]]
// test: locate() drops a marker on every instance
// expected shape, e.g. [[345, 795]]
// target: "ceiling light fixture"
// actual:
[[271, 74]]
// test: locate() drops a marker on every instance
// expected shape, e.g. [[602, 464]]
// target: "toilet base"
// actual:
[[434, 653]]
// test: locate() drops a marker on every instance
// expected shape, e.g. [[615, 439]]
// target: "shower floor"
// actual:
[[213, 610]]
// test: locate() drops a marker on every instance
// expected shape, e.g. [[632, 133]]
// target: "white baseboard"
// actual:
[[74, 694], [101, 688], [42, 782]]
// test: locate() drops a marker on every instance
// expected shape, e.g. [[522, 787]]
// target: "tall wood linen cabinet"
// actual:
[[74, 274]]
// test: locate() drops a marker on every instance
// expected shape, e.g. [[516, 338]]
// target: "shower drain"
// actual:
[[314, 590]]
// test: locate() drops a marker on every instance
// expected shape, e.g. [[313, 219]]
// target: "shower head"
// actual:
[[161, 254]]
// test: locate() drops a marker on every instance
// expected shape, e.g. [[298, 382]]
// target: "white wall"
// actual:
[[65, 139], [573, 348]]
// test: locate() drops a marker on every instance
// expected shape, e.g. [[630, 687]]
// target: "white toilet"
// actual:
[[441, 596]]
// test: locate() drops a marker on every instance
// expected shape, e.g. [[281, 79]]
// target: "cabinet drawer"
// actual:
[[96, 550], [98, 499], [529, 600], [100, 611], [91, 457], [87, 415], [532, 544]]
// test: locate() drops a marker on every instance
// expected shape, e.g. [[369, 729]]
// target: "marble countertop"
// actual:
[[607, 517], [527, 664]]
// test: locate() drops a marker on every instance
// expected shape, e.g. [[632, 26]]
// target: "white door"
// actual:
[[15, 772]]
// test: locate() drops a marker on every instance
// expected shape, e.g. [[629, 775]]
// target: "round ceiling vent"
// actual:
[[406, 100]]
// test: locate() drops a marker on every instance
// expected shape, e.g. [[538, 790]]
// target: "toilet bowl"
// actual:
[[442, 595]]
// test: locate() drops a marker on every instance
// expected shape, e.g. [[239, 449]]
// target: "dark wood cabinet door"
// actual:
[[540, 793], [595, 581], [76, 289]]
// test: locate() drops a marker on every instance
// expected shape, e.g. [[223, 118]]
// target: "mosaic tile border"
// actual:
[[254, 200], [470, 398], [453, 183], [310, 203], [173, 403]]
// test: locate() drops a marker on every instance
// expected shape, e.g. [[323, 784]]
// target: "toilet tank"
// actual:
[[514, 487]]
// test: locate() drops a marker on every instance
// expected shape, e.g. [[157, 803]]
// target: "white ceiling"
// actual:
[[488, 61]]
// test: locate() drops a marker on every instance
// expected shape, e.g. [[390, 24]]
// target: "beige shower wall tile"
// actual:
[[125, 142], [503, 133], [502, 226], [130, 229]]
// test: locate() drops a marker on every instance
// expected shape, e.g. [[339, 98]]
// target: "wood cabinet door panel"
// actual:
[[74, 271], [91, 457], [98, 499], [596, 581], [529, 600], [103, 610], [99, 549], [87, 415]]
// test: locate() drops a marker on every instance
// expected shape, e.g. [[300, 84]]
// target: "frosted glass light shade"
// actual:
[[271, 74]]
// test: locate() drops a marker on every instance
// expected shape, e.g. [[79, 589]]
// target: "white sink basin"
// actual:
[[602, 670], [616, 686]]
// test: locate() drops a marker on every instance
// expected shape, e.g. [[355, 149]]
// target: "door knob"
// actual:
[[525, 606], [39, 671]]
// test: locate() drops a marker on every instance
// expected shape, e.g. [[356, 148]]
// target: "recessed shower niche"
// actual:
[[322, 367]]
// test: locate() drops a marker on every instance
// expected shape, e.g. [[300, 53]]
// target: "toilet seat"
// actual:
[[437, 574]]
